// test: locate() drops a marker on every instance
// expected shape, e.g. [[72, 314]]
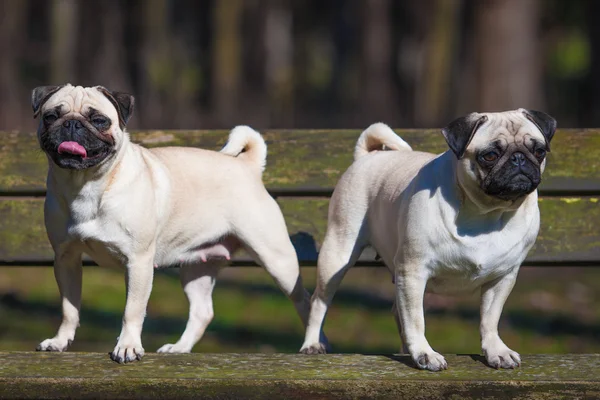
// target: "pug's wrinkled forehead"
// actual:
[[519, 127], [510, 127], [78, 100]]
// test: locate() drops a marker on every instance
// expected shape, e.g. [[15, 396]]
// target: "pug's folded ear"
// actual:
[[460, 132], [40, 95], [123, 102], [544, 122]]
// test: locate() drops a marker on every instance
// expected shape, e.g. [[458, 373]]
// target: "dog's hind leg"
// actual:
[[265, 237], [343, 244], [198, 281]]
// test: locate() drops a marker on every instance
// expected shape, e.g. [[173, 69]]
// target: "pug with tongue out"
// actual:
[[139, 208], [73, 148]]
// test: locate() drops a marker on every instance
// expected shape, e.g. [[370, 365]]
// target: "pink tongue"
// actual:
[[72, 148]]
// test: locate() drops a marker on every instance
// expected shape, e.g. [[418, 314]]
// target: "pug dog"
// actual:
[[456, 222], [142, 209]]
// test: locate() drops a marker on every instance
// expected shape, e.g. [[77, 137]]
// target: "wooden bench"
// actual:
[[292, 376], [302, 169]]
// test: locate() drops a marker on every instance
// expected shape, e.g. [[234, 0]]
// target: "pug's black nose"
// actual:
[[518, 158], [72, 123]]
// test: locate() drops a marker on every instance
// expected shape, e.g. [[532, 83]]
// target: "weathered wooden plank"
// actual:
[[292, 376], [312, 158], [569, 232]]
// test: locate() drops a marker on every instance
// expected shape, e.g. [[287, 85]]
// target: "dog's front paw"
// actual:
[[54, 344], [173, 348], [430, 361], [500, 356], [315, 348], [125, 353]]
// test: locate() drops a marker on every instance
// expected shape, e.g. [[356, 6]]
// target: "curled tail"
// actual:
[[245, 143], [375, 137]]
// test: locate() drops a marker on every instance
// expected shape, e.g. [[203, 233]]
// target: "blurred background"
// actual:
[[307, 63], [198, 64]]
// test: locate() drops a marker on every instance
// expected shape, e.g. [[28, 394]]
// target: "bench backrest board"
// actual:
[[303, 167]]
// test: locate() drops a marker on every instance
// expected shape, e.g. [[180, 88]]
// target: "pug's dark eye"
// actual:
[[490, 156], [539, 153], [50, 118], [99, 121]]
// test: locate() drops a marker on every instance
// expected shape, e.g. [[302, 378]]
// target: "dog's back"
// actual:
[[236, 169], [384, 165]]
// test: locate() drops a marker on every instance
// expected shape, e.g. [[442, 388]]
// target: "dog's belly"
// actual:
[[453, 285], [107, 244], [193, 253], [212, 251], [219, 250]]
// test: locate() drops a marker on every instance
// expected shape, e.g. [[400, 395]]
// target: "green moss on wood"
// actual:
[[22, 230], [560, 367], [569, 228], [292, 376], [299, 158]]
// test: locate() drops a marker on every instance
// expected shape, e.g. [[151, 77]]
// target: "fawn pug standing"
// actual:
[[126, 205], [447, 223]]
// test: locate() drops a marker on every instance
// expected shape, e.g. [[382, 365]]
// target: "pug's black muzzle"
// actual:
[[92, 149], [517, 178]]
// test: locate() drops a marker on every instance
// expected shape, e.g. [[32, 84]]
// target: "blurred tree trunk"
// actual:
[[434, 82], [280, 63], [110, 68], [63, 41], [591, 105], [12, 23], [254, 96], [185, 85], [509, 70], [155, 66], [226, 59], [377, 95]]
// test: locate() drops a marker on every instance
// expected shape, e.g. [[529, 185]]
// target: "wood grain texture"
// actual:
[[569, 232], [301, 159], [293, 376]]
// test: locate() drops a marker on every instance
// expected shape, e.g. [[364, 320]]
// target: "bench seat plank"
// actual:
[[569, 234], [292, 376], [301, 159]]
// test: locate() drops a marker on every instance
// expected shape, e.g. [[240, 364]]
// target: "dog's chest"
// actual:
[[463, 263], [95, 229], [98, 229], [105, 242]]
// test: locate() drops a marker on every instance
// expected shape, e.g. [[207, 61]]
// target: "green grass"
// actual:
[[551, 310]]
